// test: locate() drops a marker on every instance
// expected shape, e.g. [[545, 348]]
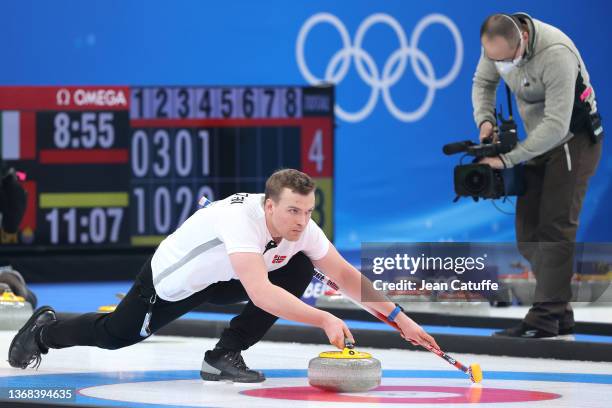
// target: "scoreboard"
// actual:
[[118, 166]]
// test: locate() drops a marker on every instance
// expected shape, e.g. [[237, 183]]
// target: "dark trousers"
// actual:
[[122, 327], [546, 224]]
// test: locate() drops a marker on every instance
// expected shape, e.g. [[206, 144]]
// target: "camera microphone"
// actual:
[[457, 147]]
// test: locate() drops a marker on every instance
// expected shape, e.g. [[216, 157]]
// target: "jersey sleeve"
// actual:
[[316, 243], [239, 232]]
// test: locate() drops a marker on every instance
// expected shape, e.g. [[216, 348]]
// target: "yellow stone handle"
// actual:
[[348, 352]]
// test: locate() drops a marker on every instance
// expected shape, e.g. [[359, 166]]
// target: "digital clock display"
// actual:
[[125, 166]]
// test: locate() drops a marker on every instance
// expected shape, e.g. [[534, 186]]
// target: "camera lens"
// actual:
[[475, 181]]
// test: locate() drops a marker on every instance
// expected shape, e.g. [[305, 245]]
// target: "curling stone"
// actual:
[[14, 310], [18, 285], [344, 371]]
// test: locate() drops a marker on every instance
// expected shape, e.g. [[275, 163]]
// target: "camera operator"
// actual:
[[545, 71]]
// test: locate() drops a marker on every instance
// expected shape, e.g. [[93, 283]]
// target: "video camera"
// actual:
[[481, 180]]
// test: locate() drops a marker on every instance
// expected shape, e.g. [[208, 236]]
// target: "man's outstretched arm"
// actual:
[[275, 300]]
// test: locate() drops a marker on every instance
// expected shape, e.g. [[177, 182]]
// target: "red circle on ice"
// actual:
[[461, 395]]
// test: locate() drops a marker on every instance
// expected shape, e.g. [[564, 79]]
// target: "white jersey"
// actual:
[[196, 254]]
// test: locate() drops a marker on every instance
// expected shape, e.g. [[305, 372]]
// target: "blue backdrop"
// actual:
[[392, 181]]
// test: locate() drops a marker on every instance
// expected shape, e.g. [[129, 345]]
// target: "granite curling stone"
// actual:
[[14, 310], [344, 371]]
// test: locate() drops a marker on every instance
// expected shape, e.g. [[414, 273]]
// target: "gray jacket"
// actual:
[[543, 85]]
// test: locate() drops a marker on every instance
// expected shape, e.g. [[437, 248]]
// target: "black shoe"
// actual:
[[227, 365], [25, 348], [525, 331]]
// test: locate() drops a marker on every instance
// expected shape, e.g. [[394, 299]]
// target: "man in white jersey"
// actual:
[[254, 247]]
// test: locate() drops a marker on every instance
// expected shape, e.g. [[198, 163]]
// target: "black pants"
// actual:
[[122, 327], [546, 225]]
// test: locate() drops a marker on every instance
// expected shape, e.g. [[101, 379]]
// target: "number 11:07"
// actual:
[[95, 226]]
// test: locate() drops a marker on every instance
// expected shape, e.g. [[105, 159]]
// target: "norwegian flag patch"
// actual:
[[278, 259]]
